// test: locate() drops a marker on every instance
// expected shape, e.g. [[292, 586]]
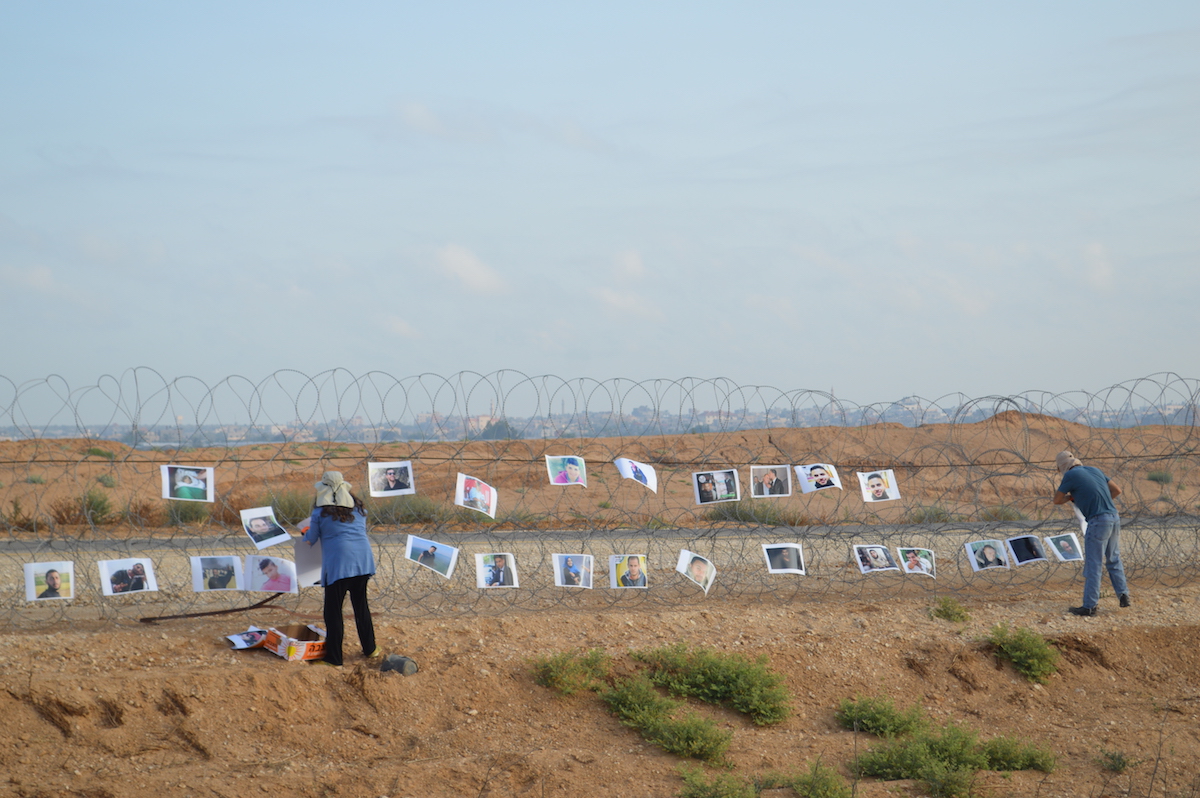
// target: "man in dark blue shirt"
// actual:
[[1092, 493]]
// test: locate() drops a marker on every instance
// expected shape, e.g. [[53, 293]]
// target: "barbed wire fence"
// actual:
[[80, 482]]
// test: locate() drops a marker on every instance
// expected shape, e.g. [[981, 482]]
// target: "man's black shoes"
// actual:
[[1086, 612], [1125, 600]]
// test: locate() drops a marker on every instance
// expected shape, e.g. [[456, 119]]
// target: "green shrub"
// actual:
[[291, 505], [92, 508], [638, 705], [758, 512], [406, 510], [878, 716], [107, 480], [820, 781], [1115, 761], [722, 785], [1160, 476], [183, 512], [933, 514], [948, 609], [1005, 753], [1003, 512], [569, 672], [35, 479], [726, 679], [96, 451], [1030, 654]]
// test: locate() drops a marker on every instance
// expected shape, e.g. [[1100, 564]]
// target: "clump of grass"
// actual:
[[35, 479], [820, 781], [949, 609], [140, 512], [1005, 753], [1003, 512], [605, 505], [291, 505], [726, 679], [1162, 477], [569, 672], [92, 508], [656, 523], [96, 451], [761, 513], [933, 514], [1030, 654], [1115, 761], [638, 705], [183, 512], [722, 785], [406, 510], [878, 716], [17, 518], [107, 480]]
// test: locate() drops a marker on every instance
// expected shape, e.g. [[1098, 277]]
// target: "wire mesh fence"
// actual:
[[81, 482]]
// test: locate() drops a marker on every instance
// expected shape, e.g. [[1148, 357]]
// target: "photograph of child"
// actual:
[[697, 568], [437, 557], [716, 486], [572, 570], [391, 479], [49, 580], [475, 494], [985, 554], [1026, 549], [917, 561], [187, 483], [216, 573], [639, 472], [784, 558], [627, 570], [127, 576], [496, 570], [769, 481], [1065, 547], [263, 529], [817, 476], [878, 486], [271, 575], [251, 638], [568, 470], [874, 558]]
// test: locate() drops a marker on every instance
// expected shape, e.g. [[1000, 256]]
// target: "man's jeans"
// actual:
[[1102, 543]]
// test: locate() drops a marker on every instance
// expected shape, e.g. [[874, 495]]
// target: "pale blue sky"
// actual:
[[882, 198]]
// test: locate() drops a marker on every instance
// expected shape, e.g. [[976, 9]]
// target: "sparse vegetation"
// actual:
[[107, 480], [92, 508], [878, 716], [35, 479], [181, 512], [291, 505], [761, 513], [1116, 761], [638, 705], [1161, 476], [1002, 512], [96, 451], [569, 672], [17, 518], [140, 512], [413, 509], [932, 514], [1030, 654], [726, 679], [948, 608], [819, 781]]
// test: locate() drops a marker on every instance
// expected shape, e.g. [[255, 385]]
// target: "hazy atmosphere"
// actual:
[[883, 200]]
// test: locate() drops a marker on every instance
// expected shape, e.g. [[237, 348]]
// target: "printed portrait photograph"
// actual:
[[187, 483], [697, 569], [770, 481], [784, 558], [260, 524], [49, 580], [216, 573], [716, 486], [566, 470], [438, 557], [131, 575], [638, 472], [627, 570], [984, 554], [816, 477], [496, 570], [1026, 549], [391, 479], [878, 486], [271, 574], [1065, 547], [475, 494], [872, 558], [251, 638], [917, 561], [572, 570]]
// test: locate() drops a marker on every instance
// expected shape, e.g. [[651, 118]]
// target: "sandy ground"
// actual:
[[108, 709]]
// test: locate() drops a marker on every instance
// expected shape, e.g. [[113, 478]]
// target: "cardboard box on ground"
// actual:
[[296, 642]]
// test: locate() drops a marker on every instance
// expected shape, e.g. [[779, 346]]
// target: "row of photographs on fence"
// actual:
[[53, 580]]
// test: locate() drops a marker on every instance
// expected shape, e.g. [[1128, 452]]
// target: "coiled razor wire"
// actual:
[[79, 481]]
